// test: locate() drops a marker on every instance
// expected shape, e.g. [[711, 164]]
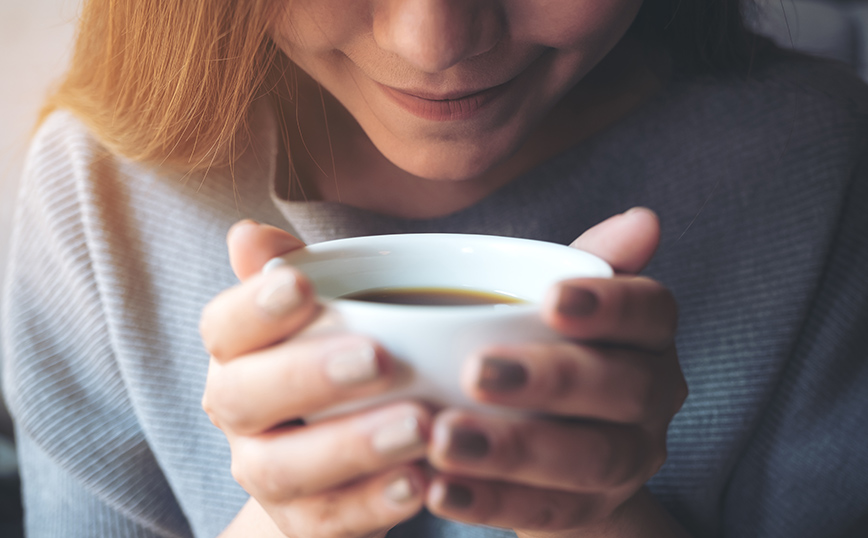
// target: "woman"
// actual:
[[536, 119]]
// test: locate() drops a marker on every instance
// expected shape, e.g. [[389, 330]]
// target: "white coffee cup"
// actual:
[[432, 342]]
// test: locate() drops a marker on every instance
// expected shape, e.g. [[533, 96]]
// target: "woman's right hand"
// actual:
[[351, 476]]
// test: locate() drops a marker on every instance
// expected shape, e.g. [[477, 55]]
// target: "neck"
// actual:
[[332, 159]]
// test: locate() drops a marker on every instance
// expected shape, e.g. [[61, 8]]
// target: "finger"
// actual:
[[252, 244], [572, 456], [630, 311], [603, 383], [287, 464], [512, 506], [265, 309], [292, 380], [358, 509], [626, 241]]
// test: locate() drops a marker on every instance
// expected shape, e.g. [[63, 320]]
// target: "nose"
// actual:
[[434, 35]]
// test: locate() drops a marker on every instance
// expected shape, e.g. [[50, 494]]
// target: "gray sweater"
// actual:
[[762, 187]]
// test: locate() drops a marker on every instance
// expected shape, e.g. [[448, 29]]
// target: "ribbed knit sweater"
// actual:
[[762, 187]]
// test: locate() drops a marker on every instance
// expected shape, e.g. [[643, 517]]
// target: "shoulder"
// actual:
[[68, 172], [803, 96], [786, 72], [827, 84], [61, 129], [792, 122], [63, 138], [821, 108]]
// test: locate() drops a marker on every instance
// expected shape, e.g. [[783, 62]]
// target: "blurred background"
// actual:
[[35, 39]]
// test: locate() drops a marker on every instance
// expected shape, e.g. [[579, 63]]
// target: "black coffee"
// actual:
[[432, 297]]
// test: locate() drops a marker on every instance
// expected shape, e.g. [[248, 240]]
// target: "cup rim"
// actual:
[[385, 245]]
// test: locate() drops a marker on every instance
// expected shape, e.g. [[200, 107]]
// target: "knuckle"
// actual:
[[210, 411], [541, 518], [248, 470], [327, 517], [596, 508], [209, 323], [276, 482], [646, 299], [239, 468], [551, 511], [667, 301], [605, 467], [294, 520], [257, 474], [678, 390], [287, 522], [640, 395], [633, 409], [559, 510], [599, 470], [224, 403], [634, 458], [218, 349], [664, 307], [583, 509], [216, 345], [656, 457], [206, 405]]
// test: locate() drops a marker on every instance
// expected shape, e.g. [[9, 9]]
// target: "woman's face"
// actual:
[[447, 89]]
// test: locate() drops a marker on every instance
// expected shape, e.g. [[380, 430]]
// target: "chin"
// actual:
[[445, 169], [452, 161]]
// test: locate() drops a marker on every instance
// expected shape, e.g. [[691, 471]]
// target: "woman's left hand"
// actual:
[[604, 401]]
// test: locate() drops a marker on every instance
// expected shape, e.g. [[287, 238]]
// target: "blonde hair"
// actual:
[[169, 81]]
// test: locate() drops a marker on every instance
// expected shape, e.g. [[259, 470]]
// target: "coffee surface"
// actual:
[[432, 297]]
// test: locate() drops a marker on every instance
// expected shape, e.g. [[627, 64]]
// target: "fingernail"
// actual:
[[576, 302], [398, 436], [467, 444], [273, 264], [637, 209], [279, 294], [501, 375], [353, 365], [241, 224], [400, 490], [458, 496]]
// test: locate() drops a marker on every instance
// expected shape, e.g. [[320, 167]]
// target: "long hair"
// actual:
[[168, 81], [171, 81]]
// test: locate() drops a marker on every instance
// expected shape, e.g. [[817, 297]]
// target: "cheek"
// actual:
[[318, 26], [572, 24]]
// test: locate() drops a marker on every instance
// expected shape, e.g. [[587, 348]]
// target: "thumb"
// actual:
[[626, 241], [252, 244]]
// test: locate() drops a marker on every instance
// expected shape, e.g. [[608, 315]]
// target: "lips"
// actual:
[[453, 106]]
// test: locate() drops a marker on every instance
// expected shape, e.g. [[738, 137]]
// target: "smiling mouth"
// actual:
[[447, 107]]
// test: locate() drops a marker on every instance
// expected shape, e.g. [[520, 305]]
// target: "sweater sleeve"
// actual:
[[805, 472], [92, 471]]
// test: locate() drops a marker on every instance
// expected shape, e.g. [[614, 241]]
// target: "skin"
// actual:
[[372, 153], [603, 397], [581, 477]]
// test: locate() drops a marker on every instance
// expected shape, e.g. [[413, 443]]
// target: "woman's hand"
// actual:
[[352, 476], [604, 400]]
